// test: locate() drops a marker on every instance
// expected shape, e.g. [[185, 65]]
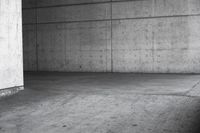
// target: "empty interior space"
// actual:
[[99, 66]]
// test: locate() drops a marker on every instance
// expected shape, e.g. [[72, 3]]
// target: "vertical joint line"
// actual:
[[111, 37], [36, 34], [153, 41]]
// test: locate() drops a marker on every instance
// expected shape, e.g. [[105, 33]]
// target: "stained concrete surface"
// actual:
[[103, 103]]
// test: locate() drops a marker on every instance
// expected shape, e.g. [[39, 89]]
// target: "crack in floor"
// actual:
[[175, 95], [193, 87]]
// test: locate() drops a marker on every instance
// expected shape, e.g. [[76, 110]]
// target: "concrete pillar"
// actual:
[[11, 63]]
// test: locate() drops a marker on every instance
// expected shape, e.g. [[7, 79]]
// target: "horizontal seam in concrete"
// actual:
[[136, 73], [159, 49], [80, 4], [119, 19], [164, 49]]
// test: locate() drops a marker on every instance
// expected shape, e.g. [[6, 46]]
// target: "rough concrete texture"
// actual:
[[103, 103], [91, 52], [29, 50], [10, 91], [11, 67], [157, 45], [154, 36], [71, 13]]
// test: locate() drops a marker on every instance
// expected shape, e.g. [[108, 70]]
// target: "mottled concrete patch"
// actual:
[[10, 91]]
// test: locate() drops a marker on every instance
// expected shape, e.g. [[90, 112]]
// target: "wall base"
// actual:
[[10, 91]]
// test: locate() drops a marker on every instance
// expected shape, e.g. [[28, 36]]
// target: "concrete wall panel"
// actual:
[[177, 33], [51, 48], [177, 61], [29, 3], [133, 9], [132, 34], [11, 68], [176, 7], [154, 8], [133, 61], [64, 46], [132, 46], [74, 13], [29, 16], [29, 47], [170, 40], [117, 35]]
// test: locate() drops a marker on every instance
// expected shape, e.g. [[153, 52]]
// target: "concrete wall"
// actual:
[[153, 36], [11, 67]]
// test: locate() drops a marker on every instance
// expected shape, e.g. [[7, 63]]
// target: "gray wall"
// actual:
[[11, 67], [153, 36]]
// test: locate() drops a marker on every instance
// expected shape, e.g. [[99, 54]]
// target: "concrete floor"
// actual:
[[103, 103]]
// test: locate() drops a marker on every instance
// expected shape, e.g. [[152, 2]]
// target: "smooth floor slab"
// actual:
[[103, 103]]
